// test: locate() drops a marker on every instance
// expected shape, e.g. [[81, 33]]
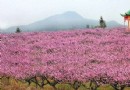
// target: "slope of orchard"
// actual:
[[100, 56]]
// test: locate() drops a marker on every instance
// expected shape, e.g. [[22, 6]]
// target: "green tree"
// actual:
[[102, 22], [18, 30], [87, 26]]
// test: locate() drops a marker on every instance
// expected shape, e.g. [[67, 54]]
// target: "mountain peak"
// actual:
[[72, 14], [69, 16]]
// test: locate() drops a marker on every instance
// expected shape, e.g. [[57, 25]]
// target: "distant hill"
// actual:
[[65, 21], [111, 24]]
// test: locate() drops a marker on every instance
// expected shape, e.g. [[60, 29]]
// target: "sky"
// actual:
[[22, 12]]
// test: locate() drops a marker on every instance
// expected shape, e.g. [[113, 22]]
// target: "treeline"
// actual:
[[102, 24]]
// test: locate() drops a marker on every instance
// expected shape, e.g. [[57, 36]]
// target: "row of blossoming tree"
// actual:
[[73, 57]]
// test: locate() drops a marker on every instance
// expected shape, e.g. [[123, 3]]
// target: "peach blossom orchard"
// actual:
[[98, 56]]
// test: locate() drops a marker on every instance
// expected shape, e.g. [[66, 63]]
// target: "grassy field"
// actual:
[[13, 84]]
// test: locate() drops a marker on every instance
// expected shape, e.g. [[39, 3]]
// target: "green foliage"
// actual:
[[102, 23], [87, 26], [18, 30]]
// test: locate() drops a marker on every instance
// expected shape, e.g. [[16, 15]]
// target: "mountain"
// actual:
[[112, 24], [65, 21]]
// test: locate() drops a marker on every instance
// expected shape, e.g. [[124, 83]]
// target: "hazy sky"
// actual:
[[19, 12]]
